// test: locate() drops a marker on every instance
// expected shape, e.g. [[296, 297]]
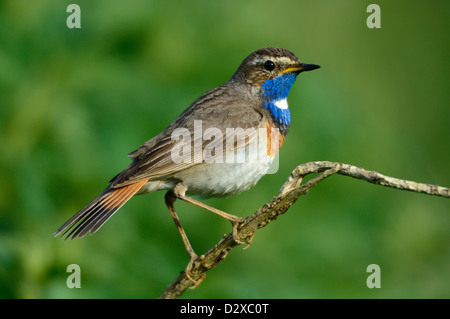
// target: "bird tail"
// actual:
[[97, 212]]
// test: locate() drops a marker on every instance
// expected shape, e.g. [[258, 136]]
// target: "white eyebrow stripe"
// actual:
[[281, 104]]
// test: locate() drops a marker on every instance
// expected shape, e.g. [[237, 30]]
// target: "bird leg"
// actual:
[[180, 190], [170, 200]]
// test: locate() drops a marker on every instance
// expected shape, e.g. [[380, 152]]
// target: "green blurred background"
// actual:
[[74, 102]]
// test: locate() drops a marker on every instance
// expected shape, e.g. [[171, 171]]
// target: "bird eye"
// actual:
[[269, 65]]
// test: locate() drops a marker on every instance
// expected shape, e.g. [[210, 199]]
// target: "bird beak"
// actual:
[[300, 68], [307, 67]]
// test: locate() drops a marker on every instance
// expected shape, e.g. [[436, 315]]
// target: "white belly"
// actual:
[[223, 179]]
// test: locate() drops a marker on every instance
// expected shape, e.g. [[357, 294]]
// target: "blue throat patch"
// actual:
[[277, 89]]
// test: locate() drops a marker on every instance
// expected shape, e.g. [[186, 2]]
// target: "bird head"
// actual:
[[269, 63]]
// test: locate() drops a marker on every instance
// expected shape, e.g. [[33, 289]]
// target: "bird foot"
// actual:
[[249, 241], [188, 272], [236, 222]]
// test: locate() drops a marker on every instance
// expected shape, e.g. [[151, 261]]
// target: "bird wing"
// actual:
[[154, 159]]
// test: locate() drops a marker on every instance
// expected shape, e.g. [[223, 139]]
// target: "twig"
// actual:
[[288, 195]]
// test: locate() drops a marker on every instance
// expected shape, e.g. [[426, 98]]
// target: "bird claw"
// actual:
[[188, 272], [236, 224], [249, 241], [196, 283]]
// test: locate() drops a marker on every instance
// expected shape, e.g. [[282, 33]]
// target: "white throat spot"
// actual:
[[281, 104]]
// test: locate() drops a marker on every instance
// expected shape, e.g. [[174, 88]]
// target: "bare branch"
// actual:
[[288, 195]]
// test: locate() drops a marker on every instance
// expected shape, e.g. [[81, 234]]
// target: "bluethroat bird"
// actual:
[[253, 103]]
